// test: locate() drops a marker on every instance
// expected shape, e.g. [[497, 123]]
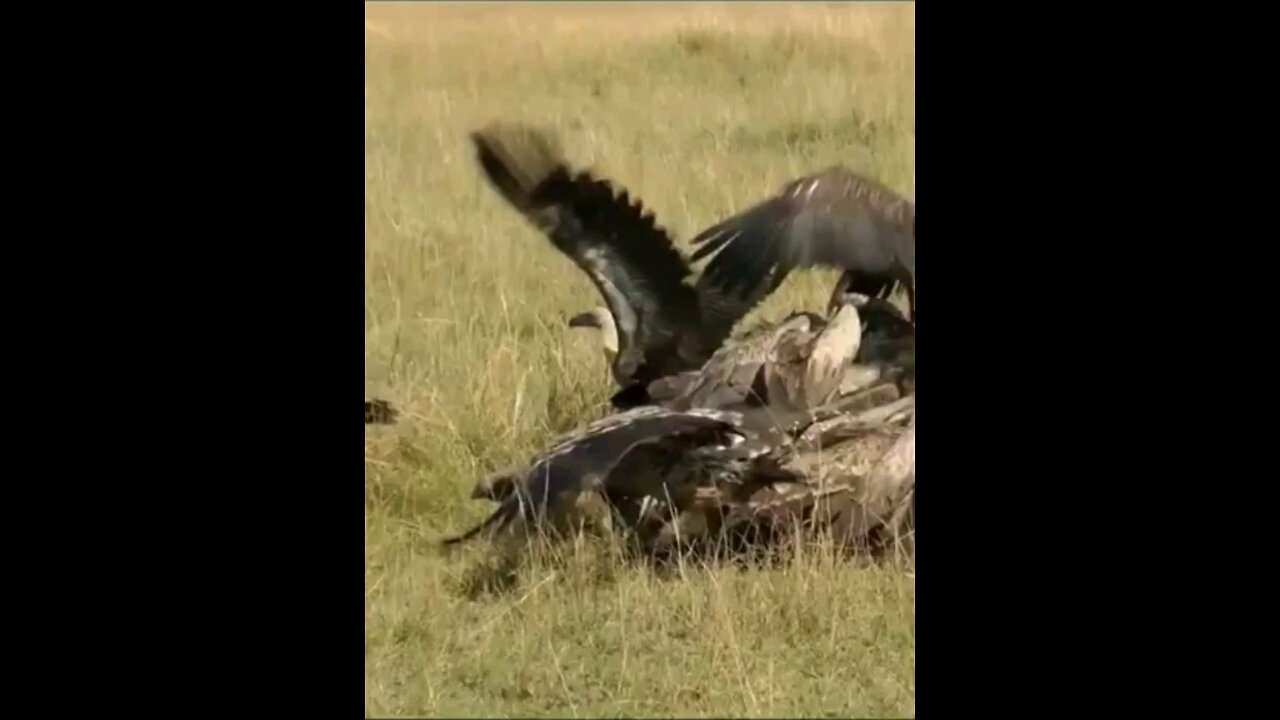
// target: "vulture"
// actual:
[[873, 456], [888, 342], [889, 498], [884, 350], [832, 218], [656, 324], [674, 480], [865, 465], [379, 412], [809, 489], [805, 360], [624, 466]]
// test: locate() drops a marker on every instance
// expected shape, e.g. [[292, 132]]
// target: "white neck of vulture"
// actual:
[[842, 337]]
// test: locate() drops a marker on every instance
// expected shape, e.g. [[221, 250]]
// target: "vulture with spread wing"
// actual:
[[833, 218], [656, 325]]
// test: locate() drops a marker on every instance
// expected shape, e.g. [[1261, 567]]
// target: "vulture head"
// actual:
[[846, 298], [602, 320], [879, 315]]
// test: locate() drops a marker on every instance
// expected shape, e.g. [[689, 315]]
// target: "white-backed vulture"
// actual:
[[832, 218], [807, 360]]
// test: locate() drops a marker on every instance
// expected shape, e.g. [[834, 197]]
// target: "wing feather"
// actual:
[[585, 462], [833, 218], [631, 260]]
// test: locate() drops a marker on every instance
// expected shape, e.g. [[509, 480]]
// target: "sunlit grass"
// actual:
[[699, 111]]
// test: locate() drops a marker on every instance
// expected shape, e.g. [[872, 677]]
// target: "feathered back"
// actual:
[[584, 462], [832, 218]]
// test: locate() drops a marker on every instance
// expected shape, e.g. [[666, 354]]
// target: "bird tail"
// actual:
[[500, 516], [450, 543], [458, 539]]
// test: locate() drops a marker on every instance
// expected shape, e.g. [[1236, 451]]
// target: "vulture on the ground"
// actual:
[[656, 324], [629, 464], [805, 360], [821, 489], [673, 479], [832, 218]]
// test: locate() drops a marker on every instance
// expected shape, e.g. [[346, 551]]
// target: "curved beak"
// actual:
[[839, 300], [586, 319]]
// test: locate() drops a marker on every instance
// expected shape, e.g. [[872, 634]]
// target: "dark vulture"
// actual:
[[379, 412], [833, 218], [657, 324], [623, 468]]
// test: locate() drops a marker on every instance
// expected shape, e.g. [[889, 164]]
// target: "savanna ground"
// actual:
[[699, 110]]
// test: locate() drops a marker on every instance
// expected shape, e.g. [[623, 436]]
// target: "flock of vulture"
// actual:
[[721, 444]]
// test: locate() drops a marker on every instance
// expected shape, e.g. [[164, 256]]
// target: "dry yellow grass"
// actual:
[[699, 110]]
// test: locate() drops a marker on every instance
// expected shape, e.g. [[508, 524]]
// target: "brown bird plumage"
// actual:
[[808, 424], [832, 218], [646, 452], [662, 325], [689, 480], [805, 360], [812, 490]]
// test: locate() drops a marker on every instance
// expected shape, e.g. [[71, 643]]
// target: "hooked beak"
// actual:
[[858, 300], [586, 319]]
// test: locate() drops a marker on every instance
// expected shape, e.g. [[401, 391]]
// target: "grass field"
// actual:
[[699, 110]]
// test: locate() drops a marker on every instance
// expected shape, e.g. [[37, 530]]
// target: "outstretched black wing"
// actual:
[[631, 260], [833, 218]]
